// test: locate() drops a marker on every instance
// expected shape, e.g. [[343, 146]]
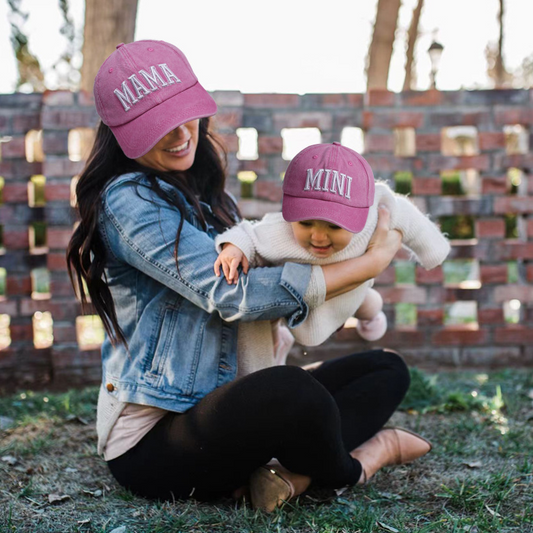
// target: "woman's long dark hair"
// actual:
[[86, 253]]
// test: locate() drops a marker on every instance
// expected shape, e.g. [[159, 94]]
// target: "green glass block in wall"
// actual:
[[405, 314], [3, 279], [404, 272], [403, 182], [458, 226]]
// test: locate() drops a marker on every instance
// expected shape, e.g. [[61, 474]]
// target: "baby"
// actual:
[[329, 214]]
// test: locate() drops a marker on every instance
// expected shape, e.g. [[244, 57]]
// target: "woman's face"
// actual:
[[175, 151]]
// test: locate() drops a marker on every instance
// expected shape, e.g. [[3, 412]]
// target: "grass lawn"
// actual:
[[478, 478]]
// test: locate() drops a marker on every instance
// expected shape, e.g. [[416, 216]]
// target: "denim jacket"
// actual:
[[180, 324]]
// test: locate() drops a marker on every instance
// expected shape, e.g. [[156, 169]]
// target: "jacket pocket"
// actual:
[[165, 343]]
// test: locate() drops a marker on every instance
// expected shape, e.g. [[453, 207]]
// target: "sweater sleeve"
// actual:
[[420, 234]]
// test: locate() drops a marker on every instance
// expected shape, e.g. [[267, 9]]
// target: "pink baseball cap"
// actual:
[[144, 90], [328, 182]]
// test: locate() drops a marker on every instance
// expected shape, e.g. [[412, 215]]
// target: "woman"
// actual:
[[173, 421]]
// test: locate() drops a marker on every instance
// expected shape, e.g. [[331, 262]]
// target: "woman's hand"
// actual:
[[385, 242], [348, 275]]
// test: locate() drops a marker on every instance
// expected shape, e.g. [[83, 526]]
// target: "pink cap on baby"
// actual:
[[328, 182]]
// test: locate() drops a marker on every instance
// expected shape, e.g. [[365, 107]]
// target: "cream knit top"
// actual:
[[271, 241]]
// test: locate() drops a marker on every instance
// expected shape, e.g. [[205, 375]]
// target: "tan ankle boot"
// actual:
[[272, 485], [390, 446]]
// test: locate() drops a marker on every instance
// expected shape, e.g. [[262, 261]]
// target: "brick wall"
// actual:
[[403, 139]]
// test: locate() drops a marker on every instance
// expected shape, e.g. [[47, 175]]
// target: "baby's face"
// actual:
[[320, 238]]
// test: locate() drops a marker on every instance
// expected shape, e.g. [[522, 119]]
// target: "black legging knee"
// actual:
[[309, 421]]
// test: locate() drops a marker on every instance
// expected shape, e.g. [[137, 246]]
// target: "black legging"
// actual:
[[308, 420]]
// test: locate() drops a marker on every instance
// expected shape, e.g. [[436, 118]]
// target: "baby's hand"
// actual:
[[230, 258]]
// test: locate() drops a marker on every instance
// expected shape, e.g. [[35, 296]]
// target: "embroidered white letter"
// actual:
[[337, 184], [169, 74], [326, 180], [348, 187], [126, 97], [138, 86], [155, 79], [310, 180]]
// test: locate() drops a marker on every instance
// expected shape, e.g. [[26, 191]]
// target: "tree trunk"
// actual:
[[107, 23], [499, 67], [411, 43], [380, 51]]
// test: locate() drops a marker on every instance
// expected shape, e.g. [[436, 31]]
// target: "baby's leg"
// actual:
[[371, 320], [371, 306]]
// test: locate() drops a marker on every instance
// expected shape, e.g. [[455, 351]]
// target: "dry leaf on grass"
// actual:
[[387, 528], [474, 464], [493, 513], [10, 460], [56, 498], [94, 493]]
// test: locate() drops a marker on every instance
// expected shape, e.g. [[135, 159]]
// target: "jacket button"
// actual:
[[110, 387]]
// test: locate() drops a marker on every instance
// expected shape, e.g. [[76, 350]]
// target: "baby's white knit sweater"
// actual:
[[271, 241]]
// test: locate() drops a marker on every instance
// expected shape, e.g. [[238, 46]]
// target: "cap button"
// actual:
[[110, 387], [336, 143], [119, 45]]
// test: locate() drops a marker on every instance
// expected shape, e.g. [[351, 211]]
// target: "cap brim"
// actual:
[[350, 218], [139, 136]]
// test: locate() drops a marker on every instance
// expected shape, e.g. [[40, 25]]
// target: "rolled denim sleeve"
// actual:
[[139, 229]]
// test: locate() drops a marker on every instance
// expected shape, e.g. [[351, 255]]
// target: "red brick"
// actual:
[[427, 186], [61, 119], [58, 238], [16, 239], [18, 285], [225, 120], [513, 204], [403, 337], [379, 97], [56, 262], [513, 334], [16, 193], [304, 119], [271, 100], [421, 98], [55, 142], [61, 288], [61, 167], [16, 147], [504, 161], [59, 309], [490, 228], [493, 274], [269, 145], [458, 118], [85, 98], [529, 272], [64, 333], [442, 162], [510, 250], [529, 228], [429, 277], [411, 294], [259, 166], [343, 100], [490, 315], [21, 332], [392, 119], [388, 163], [458, 336], [518, 115], [430, 317], [9, 307], [492, 356], [375, 142], [230, 141], [387, 277], [57, 192], [25, 123], [529, 184], [524, 293], [494, 185], [428, 142], [268, 190], [58, 98], [491, 140]]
